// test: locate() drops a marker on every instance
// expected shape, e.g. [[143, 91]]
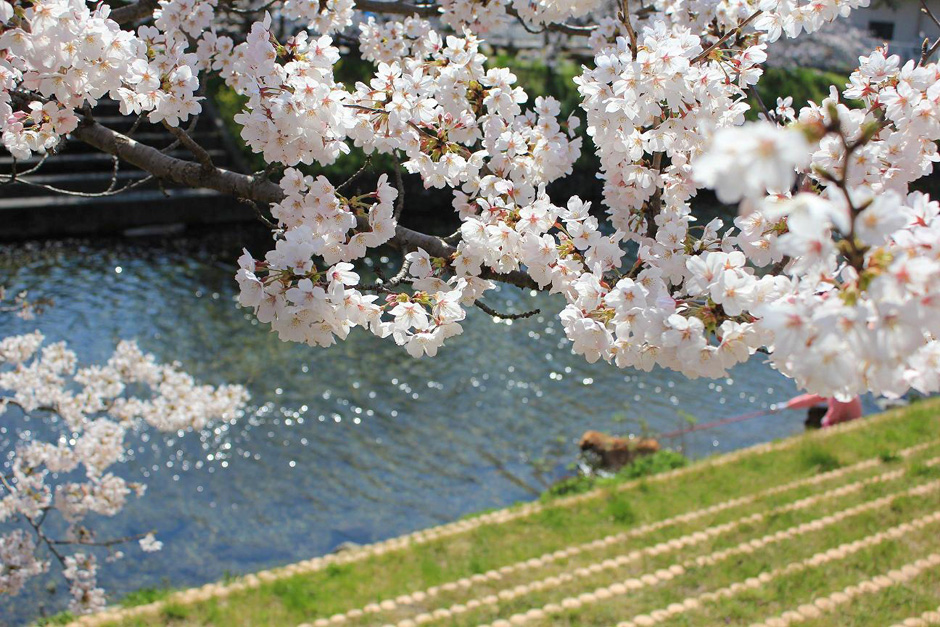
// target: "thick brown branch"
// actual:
[[567, 29], [253, 187], [202, 156], [652, 208], [188, 173]]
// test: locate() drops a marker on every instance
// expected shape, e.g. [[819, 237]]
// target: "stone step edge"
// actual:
[[214, 590]]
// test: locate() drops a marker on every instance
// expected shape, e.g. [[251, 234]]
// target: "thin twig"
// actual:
[[402, 275], [628, 24], [47, 408], [14, 177], [263, 7], [489, 310], [355, 176], [202, 156], [133, 129], [102, 194], [46, 541], [260, 215], [566, 29], [705, 53], [760, 102], [929, 13], [102, 543]]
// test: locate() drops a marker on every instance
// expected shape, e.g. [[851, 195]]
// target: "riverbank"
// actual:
[[841, 520], [358, 443]]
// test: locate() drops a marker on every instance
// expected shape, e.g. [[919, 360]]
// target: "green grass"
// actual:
[[622, 503], [146, 595], [62, 618], [803, 84], [660, 461], [174, 611], [816, 458]]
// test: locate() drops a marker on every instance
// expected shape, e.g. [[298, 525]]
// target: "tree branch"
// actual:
[[254, 187], [101, 543], [400, 184], [198, 151], [567, 29], [189, 173], [707, 52], [352, 179], [926, 9], [504, 316], [628, 24], [652, 208], [398, 8]]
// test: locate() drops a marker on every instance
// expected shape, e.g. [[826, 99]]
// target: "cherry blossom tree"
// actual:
[[66, 469], [831, 266]]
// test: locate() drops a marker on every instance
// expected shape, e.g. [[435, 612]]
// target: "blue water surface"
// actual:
[[358, 442]]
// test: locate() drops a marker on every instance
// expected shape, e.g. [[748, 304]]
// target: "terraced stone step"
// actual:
[[70, 163], [156, 137], [86, 183], [722, 541], [832, 603], [32, 209], [605, 554], [31, 216], [120, 123]]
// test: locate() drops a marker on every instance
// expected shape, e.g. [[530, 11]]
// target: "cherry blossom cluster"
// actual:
[[542, 12], [321, 16], [822, 200], [88, 411], [790, 17], [189, 16], [61, 50], [859, 308], [452, 118], [58, 55], [830, 266], [295, 111], [315, 305], [389, 41], [482, 16], [165, 83]]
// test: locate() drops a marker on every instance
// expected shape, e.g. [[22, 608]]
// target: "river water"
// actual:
[[355, 443]]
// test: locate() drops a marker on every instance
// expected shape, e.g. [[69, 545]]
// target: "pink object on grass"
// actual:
[[838, 411]]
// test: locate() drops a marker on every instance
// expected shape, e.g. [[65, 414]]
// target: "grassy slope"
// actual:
[[339, 588]]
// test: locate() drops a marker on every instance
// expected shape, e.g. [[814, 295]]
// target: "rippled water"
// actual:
[[358, 442]]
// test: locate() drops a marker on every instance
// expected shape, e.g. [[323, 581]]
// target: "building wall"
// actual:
[[911, 25]]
